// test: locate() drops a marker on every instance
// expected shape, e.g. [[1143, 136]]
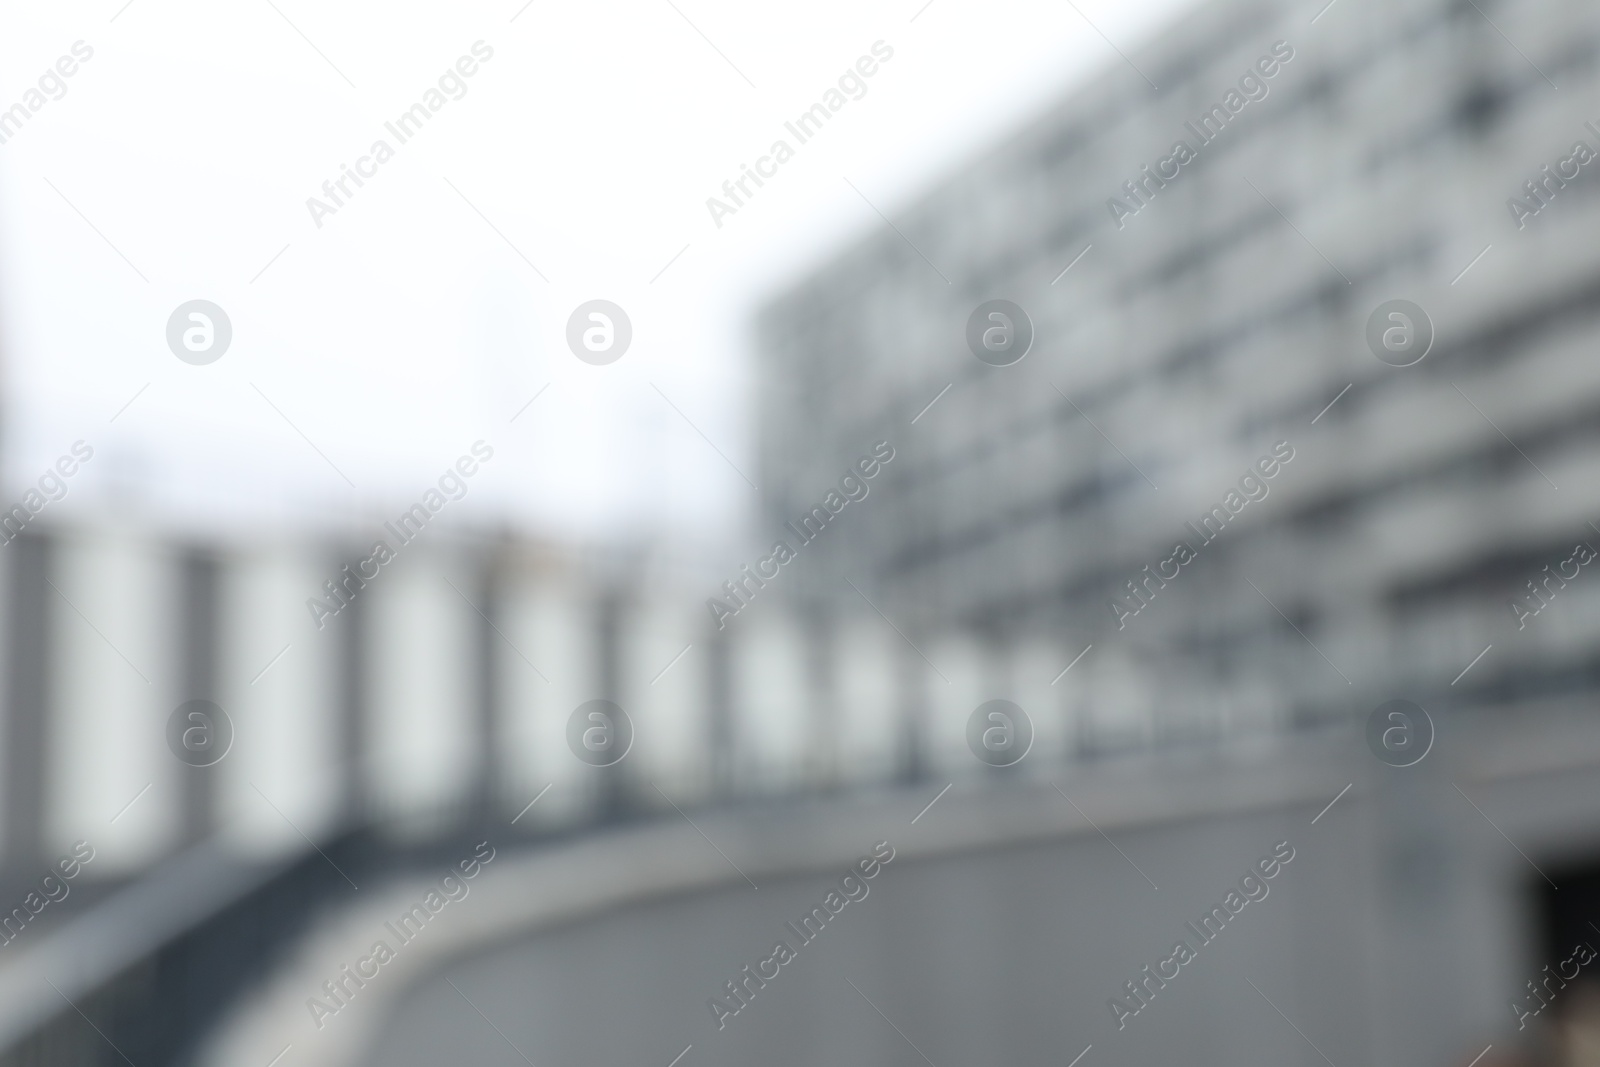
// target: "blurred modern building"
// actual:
[[1212, 315], [1200, 373]]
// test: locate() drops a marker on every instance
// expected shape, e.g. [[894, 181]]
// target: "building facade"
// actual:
[[1200, 236]]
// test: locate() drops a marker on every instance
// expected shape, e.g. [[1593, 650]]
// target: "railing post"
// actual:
[[200, 644], [913, 713], [29, 625], [486, 790], [353, 679], [720, 725]]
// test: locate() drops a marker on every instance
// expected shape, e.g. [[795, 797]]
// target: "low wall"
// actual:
[[1399, 932]]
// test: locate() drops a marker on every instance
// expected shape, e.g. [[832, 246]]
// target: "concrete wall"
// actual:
[[1399, 933]]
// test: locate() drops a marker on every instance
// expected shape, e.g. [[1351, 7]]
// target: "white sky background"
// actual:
[[405, 328]]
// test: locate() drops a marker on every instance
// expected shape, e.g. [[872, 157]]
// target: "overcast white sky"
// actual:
[[406, 328]]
